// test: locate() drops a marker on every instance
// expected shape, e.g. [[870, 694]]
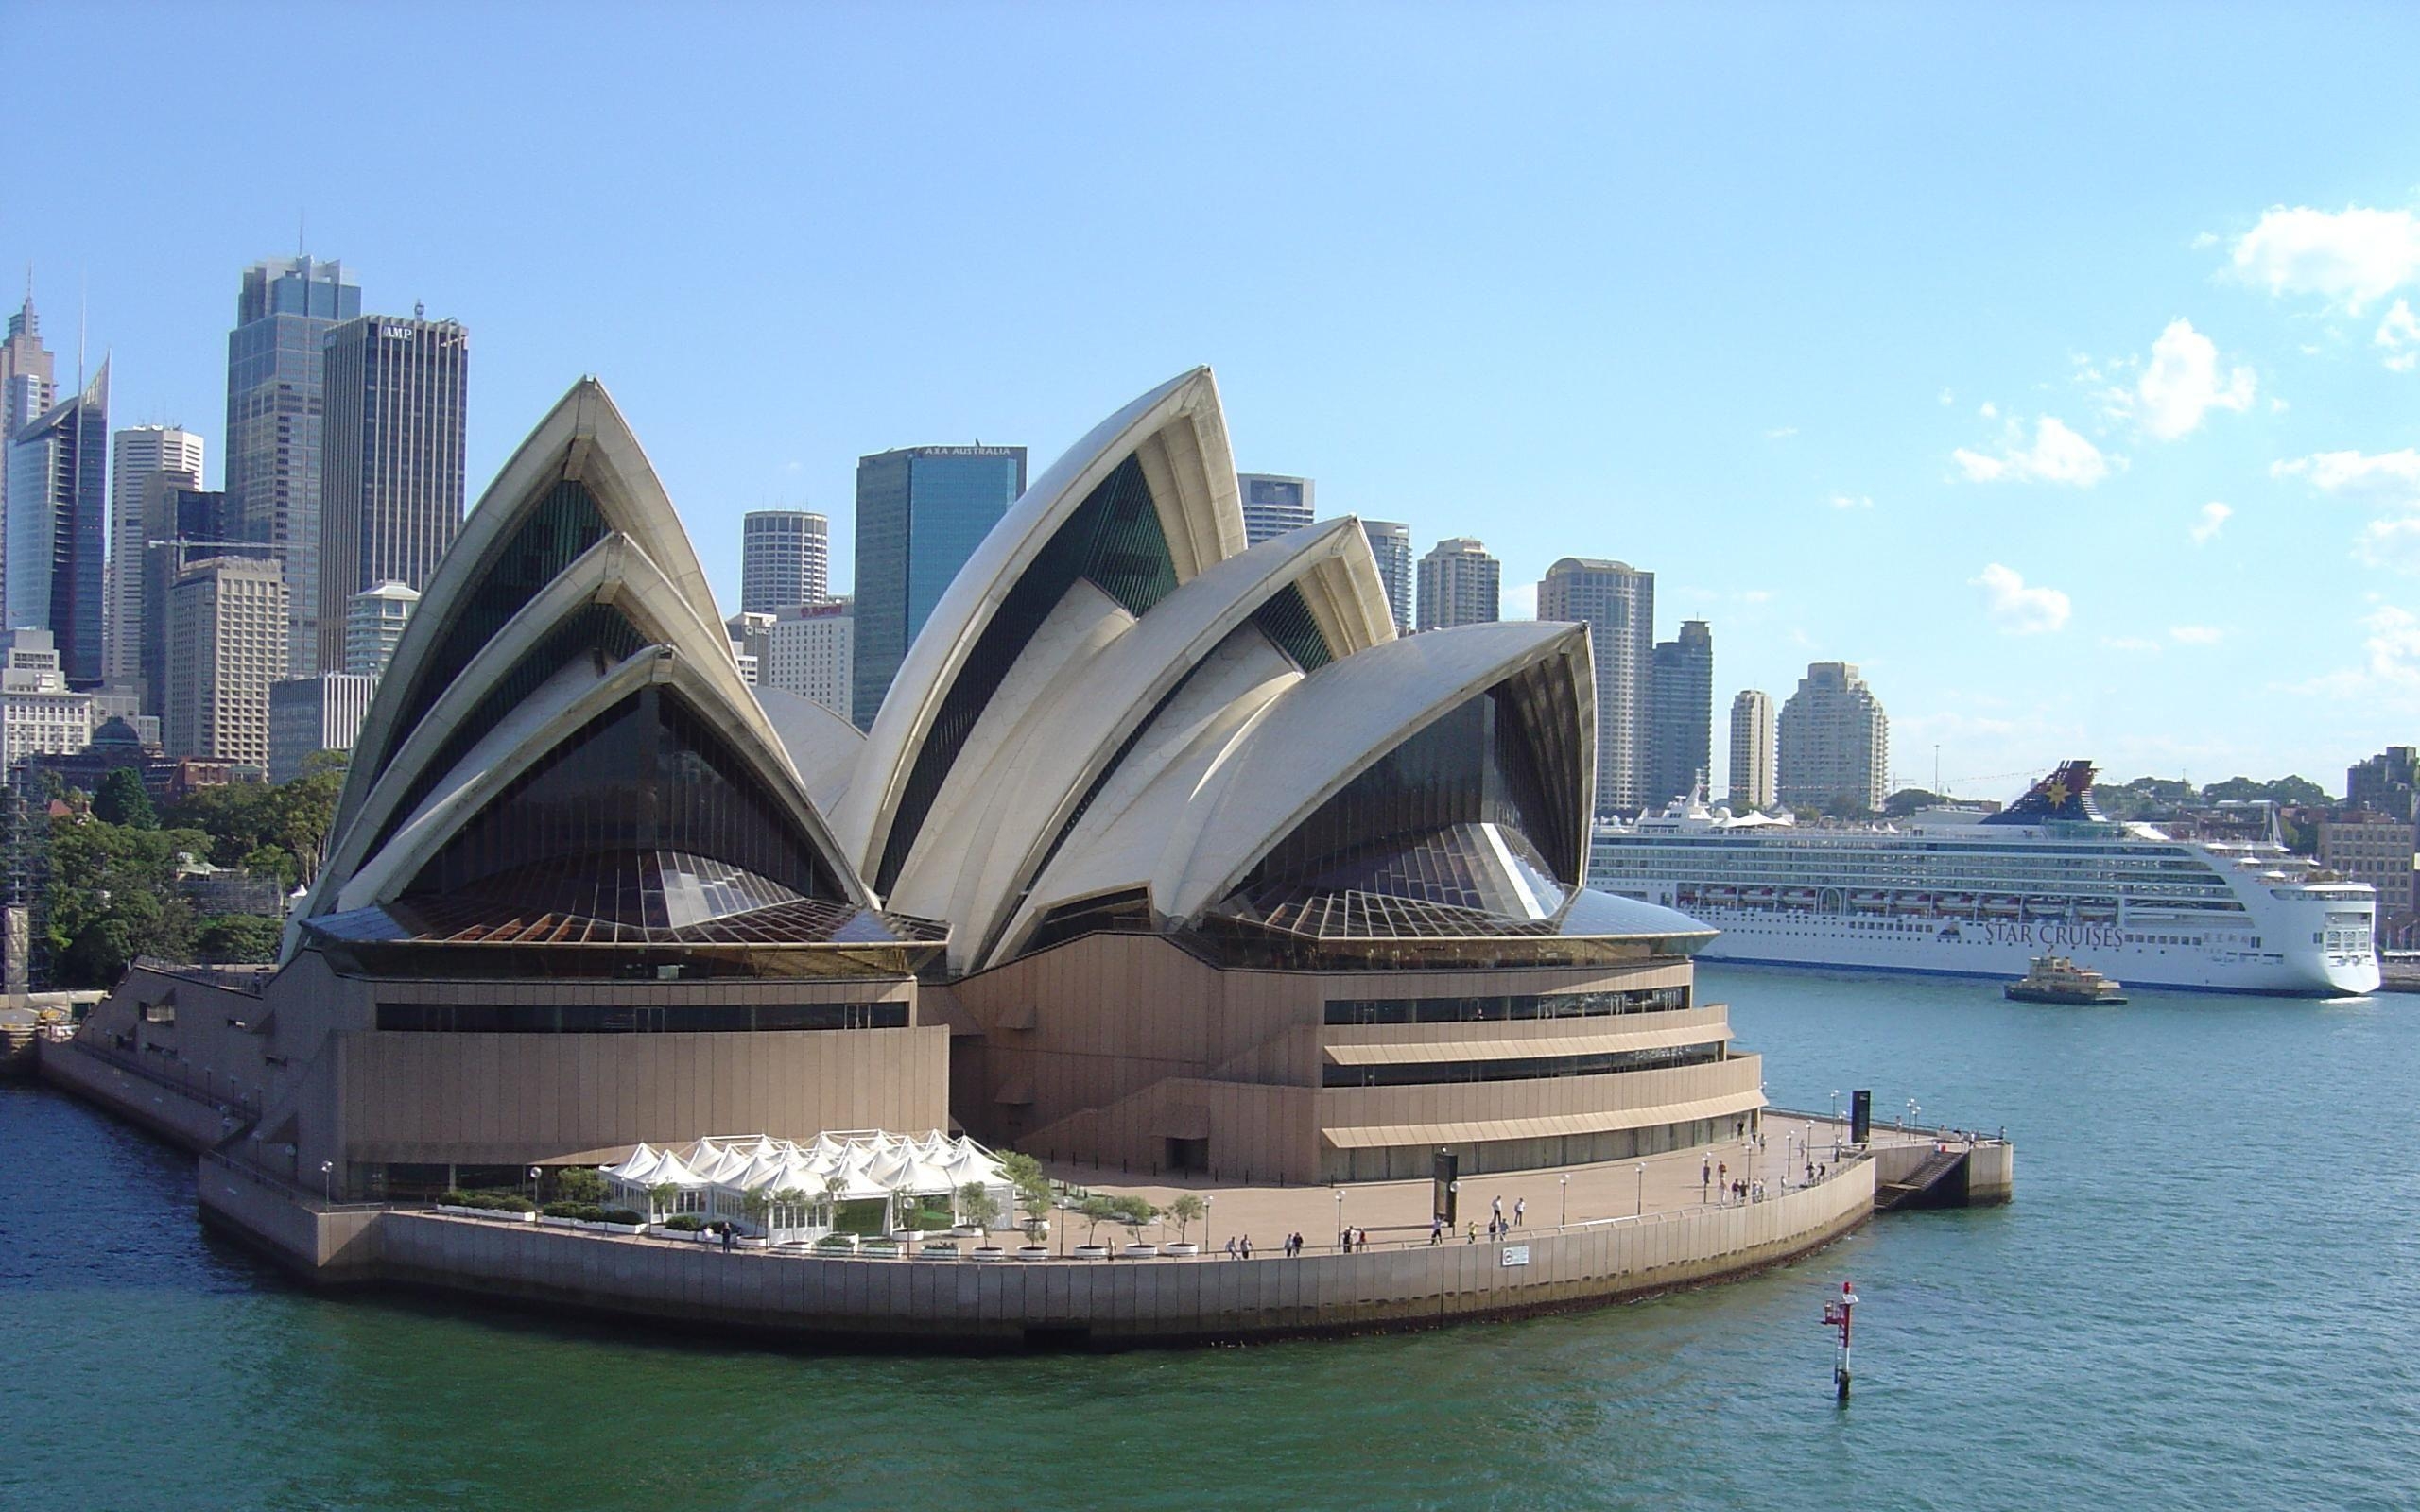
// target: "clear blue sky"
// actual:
[[1721, 292]]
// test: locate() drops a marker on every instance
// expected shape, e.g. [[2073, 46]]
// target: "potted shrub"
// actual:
[[1095, 1210], [1136, 1215], [977, 1207], [1184, 1208], [662, 1197], [1034, 1192]]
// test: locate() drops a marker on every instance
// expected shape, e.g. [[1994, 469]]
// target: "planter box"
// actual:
[[938, 1249], [660, 1231], [488, 1212], [966, 1231], [1181, 1249], [616, 1227], [1033, 1252], [1141, 1251], [988, 1254], [1091, 1251]]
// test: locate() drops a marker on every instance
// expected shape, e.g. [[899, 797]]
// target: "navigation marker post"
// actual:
[[1838, 1316]]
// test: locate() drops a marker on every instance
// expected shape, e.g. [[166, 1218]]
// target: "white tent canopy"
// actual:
[[717, 1175]]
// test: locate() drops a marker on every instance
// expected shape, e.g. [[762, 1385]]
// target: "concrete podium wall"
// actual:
[[962, 1304]]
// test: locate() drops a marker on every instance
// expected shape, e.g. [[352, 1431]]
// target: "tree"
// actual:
[[660, 1199], [122, 800], [976, 1204], [1095, 1210], [1136, 1213], [580, 1183], [1186, 1207], [112, 897], [238, 939], [1033, 1187], [1908, 799]]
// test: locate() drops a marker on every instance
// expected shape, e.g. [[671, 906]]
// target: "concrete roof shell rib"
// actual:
[[614, 572], [1330, 728], [822, 746], [1178, 436], [583, 438], [997, 819]]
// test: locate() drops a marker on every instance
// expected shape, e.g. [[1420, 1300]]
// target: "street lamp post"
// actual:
[[1340, 1218], [1566, 1201], [1641, 1211], [1207, 1203], [328, 1182]]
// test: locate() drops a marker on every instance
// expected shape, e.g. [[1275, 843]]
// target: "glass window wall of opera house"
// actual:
[[1163, 852]]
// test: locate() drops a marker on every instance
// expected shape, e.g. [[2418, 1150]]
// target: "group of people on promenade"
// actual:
[[1240, 1246]]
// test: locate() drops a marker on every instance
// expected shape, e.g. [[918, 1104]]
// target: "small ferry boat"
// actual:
[[2057, 979]]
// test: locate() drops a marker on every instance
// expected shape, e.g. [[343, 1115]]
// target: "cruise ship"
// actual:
[[1962, 892]]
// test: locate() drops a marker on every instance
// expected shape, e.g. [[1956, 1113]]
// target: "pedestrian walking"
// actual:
[[1231, 1246], [1705, 1178], [1474, 1235], [1520, 1211], [1247, 1246], [1436, 1228], [1500, 1209], [1723, 1171]]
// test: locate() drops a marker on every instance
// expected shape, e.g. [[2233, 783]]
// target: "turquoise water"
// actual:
[[2207, 1294]]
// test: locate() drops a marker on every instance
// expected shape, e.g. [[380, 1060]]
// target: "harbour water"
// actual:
[[2206, 1295]]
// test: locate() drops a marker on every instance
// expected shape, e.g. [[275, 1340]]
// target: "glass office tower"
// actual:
[[921, 513], [57, 469], [275, 401]]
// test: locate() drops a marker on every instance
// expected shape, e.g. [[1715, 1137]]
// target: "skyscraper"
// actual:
[[28, 384], [808, 650], [1617, 604], [1459, 584], [274, 411], [1391, 543], [227, 640], [390, 471], [1273, 505], [1680, 716], [1835, 744], [181, 526], [1752, 750], [311, 714], [921, 513], [785, 559], [137, 456], [374, 623], [58, 511]]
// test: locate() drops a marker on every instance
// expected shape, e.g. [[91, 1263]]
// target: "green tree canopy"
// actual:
[[122, 800], [236, 938]]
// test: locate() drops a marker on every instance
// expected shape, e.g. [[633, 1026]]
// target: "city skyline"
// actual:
[[2076, 551]]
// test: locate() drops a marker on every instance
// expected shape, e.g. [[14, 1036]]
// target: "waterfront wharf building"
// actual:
[[1835, 741], [1752, 750], [1459, 584], [390, 462], [1273, 505], [1616, 602], [785, 559], [1166, 852], [138, 455], [921, 510]]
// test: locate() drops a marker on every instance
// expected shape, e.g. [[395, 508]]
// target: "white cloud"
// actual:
[[2020, 610], [2131, 643], [2390, 659], [2205, 239], [2399, 333], [1520, 601], [2214, 517], [1781, 433], [2348, 257], [1756, 596], [2386, 484], [1850, 501], [2196, 634], [1988, 410], [2058, 455], [2181, 383], [1948, 396]]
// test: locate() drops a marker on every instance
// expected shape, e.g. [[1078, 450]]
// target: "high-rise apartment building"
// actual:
[[1835, 745], [807, 651], [374, 625], [1391, 543], [2385, 783], [921, 513], [785, 559], [1459, 584], [1680, 716], [1617, 604], [1273, 505], [226, 646], [311, 714], [275, 408], [391, 463], [40, 715], [1752, 750], [58, 528], [750, 635], [136, 457]]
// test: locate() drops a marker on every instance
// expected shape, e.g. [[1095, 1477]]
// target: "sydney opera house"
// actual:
[[1163, 854]]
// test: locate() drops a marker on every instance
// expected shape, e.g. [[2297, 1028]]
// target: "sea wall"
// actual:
[[140, 1098], [959, 1304]]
